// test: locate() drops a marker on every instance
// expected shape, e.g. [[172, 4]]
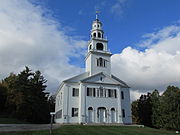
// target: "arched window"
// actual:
[[99, 35], [102, 114], [101, 62], [99, 46], [90, 114], [94, 35], [112, 109], [90, 108], [90, 47]]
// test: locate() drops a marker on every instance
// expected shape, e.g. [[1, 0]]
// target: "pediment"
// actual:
[[100, 78]]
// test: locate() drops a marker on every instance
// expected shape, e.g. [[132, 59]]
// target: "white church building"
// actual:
[[95, 96]]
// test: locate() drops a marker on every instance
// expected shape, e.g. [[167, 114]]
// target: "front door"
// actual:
[[102, 115]]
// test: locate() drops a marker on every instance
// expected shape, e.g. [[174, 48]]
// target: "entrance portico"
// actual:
[[101, 115]]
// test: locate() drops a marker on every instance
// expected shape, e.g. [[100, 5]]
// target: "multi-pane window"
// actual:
[[59, 114], [112, 93], [122, 95], [94, 92], [101, 92], [91, 92], [74, 112], [105, 92], [115, 94], [123, 113], [101, 62], [97, 92], [75, 92]]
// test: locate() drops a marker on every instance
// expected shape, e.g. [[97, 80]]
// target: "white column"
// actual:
[[97, 119], [108, 116], [66, 111], [82, 104], [94, 115], [119, 111]]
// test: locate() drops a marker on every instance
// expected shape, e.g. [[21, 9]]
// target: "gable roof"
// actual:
[[77, 78], [85, 78], [106, 79], [116, 78]]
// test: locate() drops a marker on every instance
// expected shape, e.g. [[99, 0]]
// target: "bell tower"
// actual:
[[98, 58]]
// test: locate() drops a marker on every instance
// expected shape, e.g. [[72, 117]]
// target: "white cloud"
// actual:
[[135, 94], [151, 39], [118, 7], [156, 67], [30, 36]]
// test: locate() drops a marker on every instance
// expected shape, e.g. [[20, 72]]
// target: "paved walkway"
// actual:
[[33, 127], [25, 127]]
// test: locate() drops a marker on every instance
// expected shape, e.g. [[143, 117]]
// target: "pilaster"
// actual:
[[82, 104]]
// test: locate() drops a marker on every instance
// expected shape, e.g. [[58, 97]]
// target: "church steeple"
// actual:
[[97, 41], [98, 57]]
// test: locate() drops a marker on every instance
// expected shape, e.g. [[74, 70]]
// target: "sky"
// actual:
[[52, 35]]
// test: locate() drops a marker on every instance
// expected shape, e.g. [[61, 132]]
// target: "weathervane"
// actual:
[[97, 12]]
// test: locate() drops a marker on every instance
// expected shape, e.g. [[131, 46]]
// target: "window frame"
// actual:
[[90, 92], [123, 113], [75, 93], [122, 94], [58, 114], [75, 112]]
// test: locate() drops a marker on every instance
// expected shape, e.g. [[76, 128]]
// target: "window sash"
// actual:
[[59, 114], [115, 93], [101, 62], [101, 92], [123, 113], [75, 92], [74, 112], [90, 92], [98, 95], [122, 95], [94, 92]]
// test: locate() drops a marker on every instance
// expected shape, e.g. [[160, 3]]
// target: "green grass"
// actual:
[[11, 121], [97, 130]]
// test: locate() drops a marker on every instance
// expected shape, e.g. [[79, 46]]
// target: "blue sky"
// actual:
[[125, 28], [124, 25], [51, 36]]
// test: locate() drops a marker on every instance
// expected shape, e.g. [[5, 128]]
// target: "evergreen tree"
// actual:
[[10, 83], [134, 109], [26, 96], [3, 98], [170, 108], [144, 110], [156, 112]]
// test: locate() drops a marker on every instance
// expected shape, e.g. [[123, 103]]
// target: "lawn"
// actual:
[[98, 130]]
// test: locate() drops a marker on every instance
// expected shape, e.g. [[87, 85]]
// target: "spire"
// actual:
[[97, 12]]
